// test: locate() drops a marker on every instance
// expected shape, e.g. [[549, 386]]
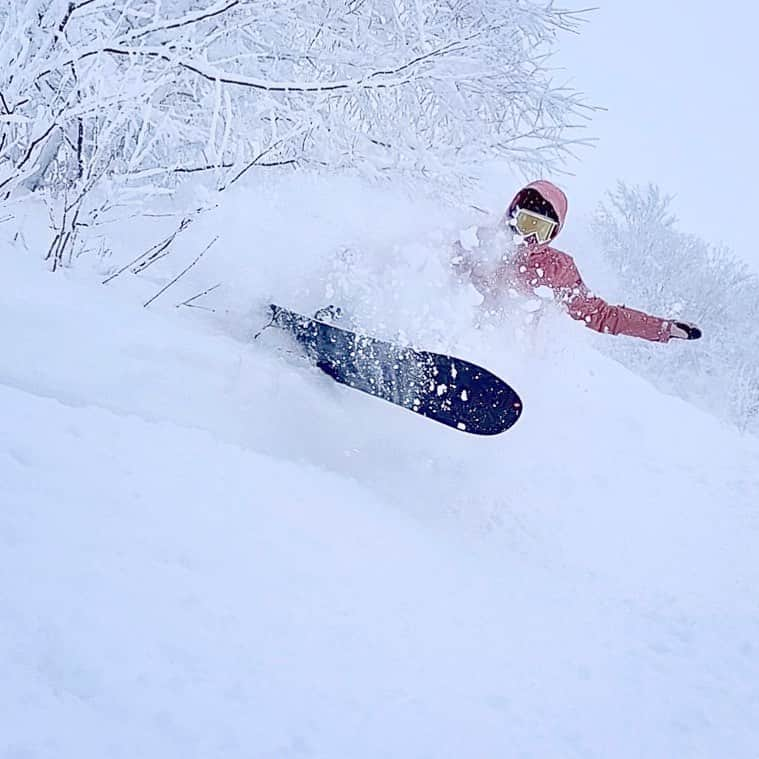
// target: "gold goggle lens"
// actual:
[[529, 223]]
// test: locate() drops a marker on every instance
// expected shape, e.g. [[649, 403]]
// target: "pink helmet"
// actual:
[[542, 197]]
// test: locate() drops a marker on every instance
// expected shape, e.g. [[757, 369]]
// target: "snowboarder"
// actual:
[[534, 218]]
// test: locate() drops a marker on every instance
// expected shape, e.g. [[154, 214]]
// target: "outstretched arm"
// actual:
[[558, 271], [617, 320]]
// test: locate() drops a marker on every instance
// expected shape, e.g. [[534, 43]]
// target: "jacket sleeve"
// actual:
[[557, 270]]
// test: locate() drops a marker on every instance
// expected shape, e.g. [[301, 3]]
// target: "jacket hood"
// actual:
[[550, 193]]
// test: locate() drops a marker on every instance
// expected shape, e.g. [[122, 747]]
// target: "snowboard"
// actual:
[[443, 388]]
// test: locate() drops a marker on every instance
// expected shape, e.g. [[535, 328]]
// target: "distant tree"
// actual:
[[680, 275], [135, 96]]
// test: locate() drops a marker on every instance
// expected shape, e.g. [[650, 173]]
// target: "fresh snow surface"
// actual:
[[209, 549]]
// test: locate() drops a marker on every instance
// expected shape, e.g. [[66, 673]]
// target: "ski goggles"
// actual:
[[529, 224]]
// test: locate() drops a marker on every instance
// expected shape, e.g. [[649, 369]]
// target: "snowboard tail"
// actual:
[[443, 388]]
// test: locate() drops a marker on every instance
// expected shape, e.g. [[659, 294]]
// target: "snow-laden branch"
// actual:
[[678, 274], [187, 20], [150, 91], [373, 79]]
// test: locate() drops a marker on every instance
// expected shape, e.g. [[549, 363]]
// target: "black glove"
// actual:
[[685, 331]]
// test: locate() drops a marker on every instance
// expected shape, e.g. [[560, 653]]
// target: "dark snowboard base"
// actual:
[[444, 388]]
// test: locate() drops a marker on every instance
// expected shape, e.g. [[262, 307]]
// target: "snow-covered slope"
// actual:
[[208, 549]]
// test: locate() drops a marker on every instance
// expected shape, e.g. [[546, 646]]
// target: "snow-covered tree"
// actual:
[[677, 274], [135, 96]]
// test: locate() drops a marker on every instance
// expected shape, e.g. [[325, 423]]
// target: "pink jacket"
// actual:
[[541, 265]]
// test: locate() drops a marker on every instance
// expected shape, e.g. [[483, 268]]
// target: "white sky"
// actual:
[[681, 84]]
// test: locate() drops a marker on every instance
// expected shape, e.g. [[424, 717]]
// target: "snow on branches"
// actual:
[[142, 93], [676, 274]]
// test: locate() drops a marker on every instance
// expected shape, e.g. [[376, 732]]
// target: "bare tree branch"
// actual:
[[181, 273], [190, 301]]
